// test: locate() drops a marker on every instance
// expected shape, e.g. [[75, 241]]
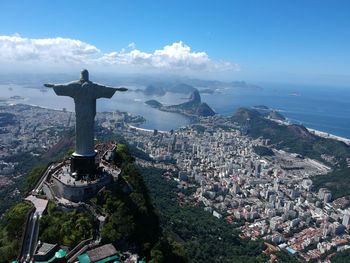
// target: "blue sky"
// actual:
[[299, 40]]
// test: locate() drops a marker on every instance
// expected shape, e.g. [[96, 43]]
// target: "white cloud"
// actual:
[[177, 56], [64, 51], [58, 50]]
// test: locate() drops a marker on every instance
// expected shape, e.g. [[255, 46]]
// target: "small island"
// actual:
[[154, 104], [16, 97], [193, 108]]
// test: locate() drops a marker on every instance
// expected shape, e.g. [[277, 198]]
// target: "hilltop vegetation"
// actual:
[[263, 151], [204, 237], [65, 228], [11, 230], [341, 257], [131, 221], [337, 181]]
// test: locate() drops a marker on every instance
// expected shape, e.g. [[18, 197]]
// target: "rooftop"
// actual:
[[102, 252], [45, 248]]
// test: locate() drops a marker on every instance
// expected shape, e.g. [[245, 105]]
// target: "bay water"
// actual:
[[318, 107]]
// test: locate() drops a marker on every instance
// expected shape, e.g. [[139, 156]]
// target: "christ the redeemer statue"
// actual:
[[84, 92]]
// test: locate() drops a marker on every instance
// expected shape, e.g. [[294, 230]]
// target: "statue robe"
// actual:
[[84, 95]]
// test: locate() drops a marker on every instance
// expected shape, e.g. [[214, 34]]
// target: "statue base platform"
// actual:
[[80, 177], [82, 165]]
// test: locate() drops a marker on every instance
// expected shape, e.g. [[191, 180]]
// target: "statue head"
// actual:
[[84, 75]]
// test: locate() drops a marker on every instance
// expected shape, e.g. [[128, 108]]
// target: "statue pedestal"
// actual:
[[72, 179], [82, 165]]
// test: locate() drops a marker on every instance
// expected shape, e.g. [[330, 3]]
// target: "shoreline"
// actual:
[[144, 129], [319, 133], [38, 106], [192, 120], [329, 135]]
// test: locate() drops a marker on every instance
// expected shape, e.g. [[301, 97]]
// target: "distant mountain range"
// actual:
[[209, 87], [159, 89], [155, 84]]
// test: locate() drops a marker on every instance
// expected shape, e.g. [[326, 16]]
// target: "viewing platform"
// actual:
[[63, 183]]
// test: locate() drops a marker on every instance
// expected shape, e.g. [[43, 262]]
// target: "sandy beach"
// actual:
[[329, 136], [316, 132]]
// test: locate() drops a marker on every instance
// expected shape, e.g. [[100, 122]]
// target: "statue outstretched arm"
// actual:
[[68, 89], [107, 92]]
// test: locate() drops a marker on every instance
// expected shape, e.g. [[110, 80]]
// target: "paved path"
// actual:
[[32, 230], [39, 204]]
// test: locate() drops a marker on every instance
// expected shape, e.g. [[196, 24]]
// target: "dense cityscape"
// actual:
[[272, 194], [265, 192], [27, 129]]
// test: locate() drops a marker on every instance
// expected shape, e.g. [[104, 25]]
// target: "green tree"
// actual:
[[11, 230]]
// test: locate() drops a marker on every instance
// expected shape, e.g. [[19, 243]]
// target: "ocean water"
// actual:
[[322, 108], [132, 102]]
